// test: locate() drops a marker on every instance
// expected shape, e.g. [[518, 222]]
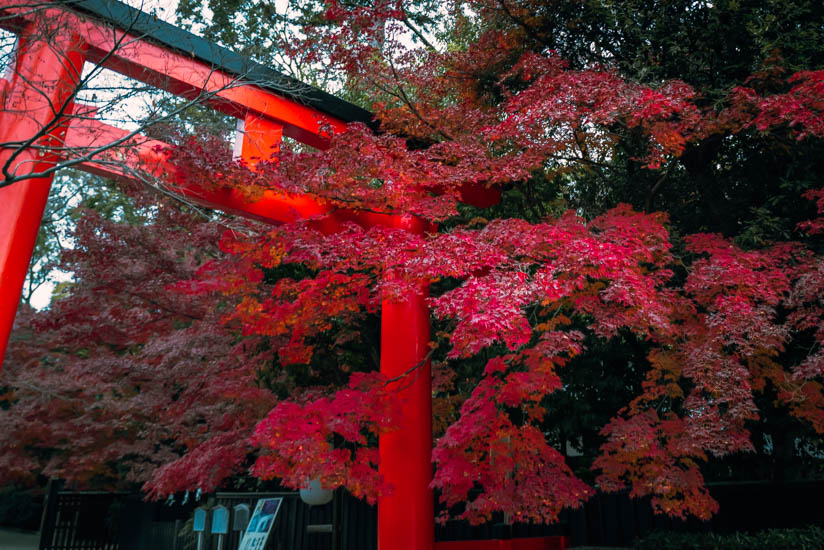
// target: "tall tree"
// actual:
[[120, 377], [573, 104]]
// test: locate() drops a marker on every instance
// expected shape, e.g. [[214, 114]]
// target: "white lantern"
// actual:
[[315, 494]]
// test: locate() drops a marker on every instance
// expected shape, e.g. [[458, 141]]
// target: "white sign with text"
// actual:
[[260, 525]]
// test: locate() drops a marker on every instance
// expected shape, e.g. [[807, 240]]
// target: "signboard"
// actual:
[[220, 520], [200, 520], [257, 532], [241, 517]]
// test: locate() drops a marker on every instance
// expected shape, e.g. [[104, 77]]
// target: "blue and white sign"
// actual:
[[260, 525], [220, 520], [200, 520]]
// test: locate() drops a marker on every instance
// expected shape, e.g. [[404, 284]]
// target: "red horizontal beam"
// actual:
[[87, 134], [139, 154]]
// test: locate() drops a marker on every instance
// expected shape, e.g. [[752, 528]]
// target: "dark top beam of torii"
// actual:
[[38, 135]]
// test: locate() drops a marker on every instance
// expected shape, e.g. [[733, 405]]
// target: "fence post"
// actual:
[[336, 517], [49, 514]]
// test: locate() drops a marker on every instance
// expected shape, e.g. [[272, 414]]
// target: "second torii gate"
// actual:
[[37, 99]]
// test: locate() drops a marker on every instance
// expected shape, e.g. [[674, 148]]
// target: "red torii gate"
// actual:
[[151, 52], [37, 100]]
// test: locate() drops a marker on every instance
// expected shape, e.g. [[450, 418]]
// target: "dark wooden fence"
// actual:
[[354, 525], [80, 521], [617, 520], [353, 522], [104, 521]]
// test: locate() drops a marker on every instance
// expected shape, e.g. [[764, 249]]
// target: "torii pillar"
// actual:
[[406, 516], [27, 115]]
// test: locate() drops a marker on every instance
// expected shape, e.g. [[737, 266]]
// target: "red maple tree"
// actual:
[[220, 327]]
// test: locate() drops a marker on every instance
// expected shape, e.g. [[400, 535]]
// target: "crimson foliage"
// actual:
[[165, 359]]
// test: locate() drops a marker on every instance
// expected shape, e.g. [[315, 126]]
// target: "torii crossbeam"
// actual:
[[37, 98]]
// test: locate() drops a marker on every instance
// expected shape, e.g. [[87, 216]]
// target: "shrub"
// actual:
[[20, 508], [805, 538]]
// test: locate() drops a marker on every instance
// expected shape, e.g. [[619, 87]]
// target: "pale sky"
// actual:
[[164, 9]]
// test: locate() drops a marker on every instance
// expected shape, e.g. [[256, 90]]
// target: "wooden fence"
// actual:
[[290, 529], [80, 521], [103, 521]]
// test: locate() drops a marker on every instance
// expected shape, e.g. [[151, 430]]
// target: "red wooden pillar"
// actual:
[[40, 89], [406, 517]]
